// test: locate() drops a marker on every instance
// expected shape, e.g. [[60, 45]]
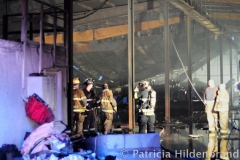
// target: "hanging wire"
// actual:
[[183, 64], [95, 10], [184, 68]]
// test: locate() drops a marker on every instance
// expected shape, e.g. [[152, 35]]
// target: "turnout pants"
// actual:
[[146, 120], [89, 122], [212, 116], [106, 120], [223, 120], [78, 120]]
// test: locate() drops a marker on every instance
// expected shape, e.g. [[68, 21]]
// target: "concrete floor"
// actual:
[[194, 141], [179, 139], [184, 140]]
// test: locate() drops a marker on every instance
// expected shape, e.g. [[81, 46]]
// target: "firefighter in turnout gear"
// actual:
[[80, 102], [108, 106], [89, 123], [209, 100], [146, 101], [222, 106]]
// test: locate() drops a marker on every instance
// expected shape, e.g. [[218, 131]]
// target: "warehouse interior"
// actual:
[[176, 45]]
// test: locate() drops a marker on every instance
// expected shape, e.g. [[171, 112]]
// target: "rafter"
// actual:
[[100, 47], [108, 32], [108, 3], [221, 1], [83, 5], [108, 65], [94, 67], [229, 16], [104, 14]]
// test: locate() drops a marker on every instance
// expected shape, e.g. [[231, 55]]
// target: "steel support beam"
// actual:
[[41, 41], [131, 64], [24, 20], [24, 37], [208, 54], [189, 48], [54, 36], [167, 65], [221, 59], [237, 62], [31, 29], [5, 27], [231, 76], [68, 25]]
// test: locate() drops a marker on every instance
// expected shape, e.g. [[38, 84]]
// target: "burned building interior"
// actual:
[[176, 46]]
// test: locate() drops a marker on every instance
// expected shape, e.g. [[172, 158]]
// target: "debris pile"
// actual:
[[50, 142]]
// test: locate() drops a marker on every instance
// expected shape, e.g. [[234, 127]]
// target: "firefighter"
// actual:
[[108, 106], [89, 122], [80, 102], [146, 100], [209, 100], [222, 106]]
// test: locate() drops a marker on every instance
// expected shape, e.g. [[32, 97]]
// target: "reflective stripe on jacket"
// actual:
[[79, 100], [147, 101], [90, 95], [107, 102]]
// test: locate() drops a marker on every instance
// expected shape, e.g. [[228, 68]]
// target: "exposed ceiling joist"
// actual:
[[85, 6], [103, 14], [229, 16], [221, 1], [189, 11], [95, 67], [108, 3], [233, 27], [118, 45], [109, 32], [100, 47]]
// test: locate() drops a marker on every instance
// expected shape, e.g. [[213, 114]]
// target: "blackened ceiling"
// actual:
[[101, 43]]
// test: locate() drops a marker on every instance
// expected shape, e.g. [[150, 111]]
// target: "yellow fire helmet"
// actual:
[[76, 81]]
